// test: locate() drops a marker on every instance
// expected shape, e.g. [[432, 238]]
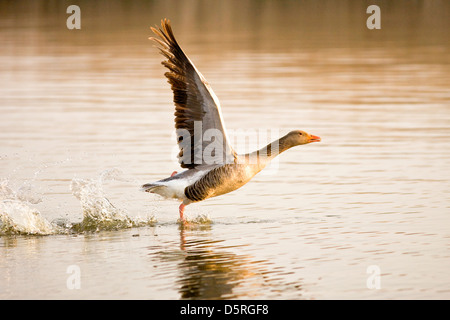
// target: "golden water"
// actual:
[[77, 105]]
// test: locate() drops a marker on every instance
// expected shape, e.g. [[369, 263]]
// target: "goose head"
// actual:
[[299, 137]]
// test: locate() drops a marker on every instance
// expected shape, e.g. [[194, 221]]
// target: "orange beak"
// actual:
[[314, 138]]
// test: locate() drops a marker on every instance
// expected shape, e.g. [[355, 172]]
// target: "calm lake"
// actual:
[[86, 118]]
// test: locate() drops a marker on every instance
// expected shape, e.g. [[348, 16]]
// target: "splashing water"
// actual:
[[98, 212], [18, 216], [200, 219]]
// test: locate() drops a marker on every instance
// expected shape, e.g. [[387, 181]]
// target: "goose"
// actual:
[[214, 168]]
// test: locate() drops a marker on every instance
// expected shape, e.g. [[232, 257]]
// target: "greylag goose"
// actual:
[[213, 168]]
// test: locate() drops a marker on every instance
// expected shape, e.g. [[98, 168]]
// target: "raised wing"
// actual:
[[201, 134]]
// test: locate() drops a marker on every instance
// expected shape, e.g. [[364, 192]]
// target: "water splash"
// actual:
[[98, 212], [18, 216], [200, 219], [25, 193]]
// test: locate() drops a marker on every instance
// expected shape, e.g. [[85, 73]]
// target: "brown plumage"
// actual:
[[193, 98], [197, 110]]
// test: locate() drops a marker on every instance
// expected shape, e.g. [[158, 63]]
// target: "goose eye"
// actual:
[[300, 133]]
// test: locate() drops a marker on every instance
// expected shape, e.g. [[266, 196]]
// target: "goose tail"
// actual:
[[153, 188]]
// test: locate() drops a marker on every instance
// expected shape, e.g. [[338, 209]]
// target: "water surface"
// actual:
[[87, 117]]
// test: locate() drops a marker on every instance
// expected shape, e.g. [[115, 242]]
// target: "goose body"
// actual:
[[210, 172], [195, 185]]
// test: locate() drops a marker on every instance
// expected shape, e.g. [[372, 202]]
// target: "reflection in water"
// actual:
[[207, 269], [207, 272]]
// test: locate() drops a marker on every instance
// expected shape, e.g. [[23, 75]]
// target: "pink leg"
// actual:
[[181, 209], [173, 173]]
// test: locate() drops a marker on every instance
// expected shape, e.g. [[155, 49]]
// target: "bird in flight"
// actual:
[[213, 168]]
